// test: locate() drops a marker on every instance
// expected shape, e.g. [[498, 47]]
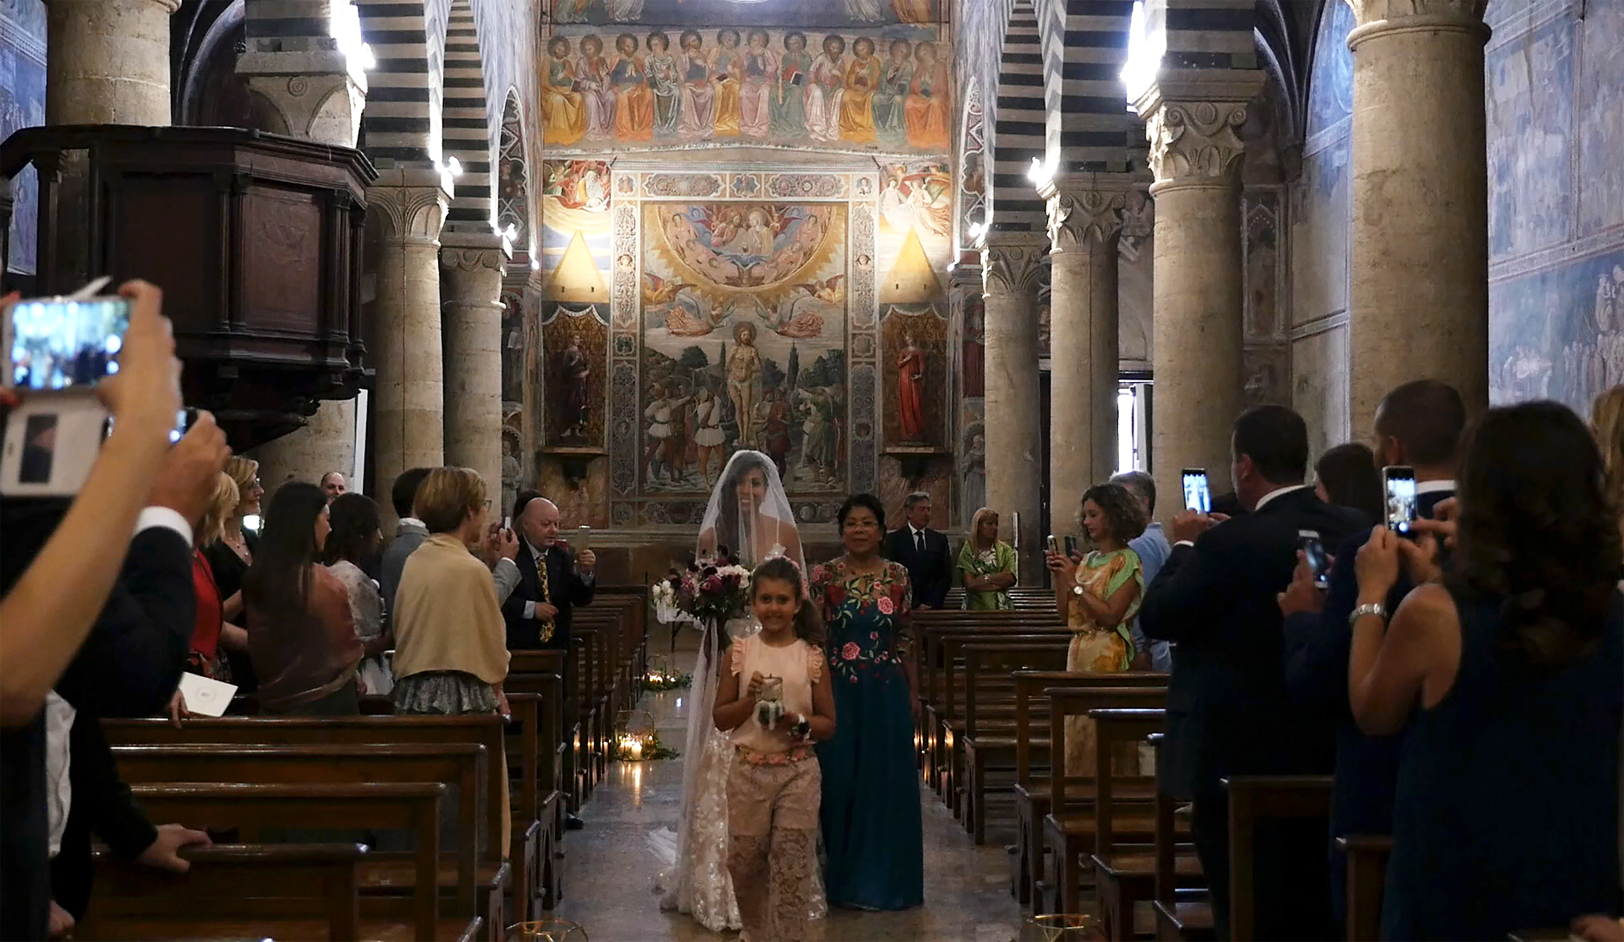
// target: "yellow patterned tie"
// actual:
[[546, 596]]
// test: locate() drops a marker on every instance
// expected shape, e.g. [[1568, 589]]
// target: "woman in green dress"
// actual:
[[987, 565]]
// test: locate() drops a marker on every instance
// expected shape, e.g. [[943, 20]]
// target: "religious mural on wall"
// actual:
[[916, 365], [1559, 334], [825, 13], [574, 361], [1266, 361], [22, 104], [972, 169], [513, 183], [885, 90], [569, 361]]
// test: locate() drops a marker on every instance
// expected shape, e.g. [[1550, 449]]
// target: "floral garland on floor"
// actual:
[[643, 747]]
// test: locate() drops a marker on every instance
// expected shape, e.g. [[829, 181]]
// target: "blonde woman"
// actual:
[[986, 564], [211, 632], [230, 553], [1607, 420]]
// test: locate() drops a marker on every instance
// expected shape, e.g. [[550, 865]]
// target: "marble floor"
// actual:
[[610, 867]]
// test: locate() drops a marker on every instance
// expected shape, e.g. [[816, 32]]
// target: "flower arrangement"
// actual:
[[661, 677], [710, 589]]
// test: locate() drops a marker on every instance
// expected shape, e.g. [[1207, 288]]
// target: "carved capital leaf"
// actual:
[[1011, 268], [466, 259], [1075, 216], [409, 213], [1195, 139], [1371, 11]]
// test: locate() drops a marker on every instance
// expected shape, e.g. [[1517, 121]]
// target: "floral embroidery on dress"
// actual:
[[868, 618], [752, 757]]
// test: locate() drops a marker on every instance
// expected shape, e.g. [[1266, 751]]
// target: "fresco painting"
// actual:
[[22, 104], [815, 13], [1559, 333], [1529, 92]]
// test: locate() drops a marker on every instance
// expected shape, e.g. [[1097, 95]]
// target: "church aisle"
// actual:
[[610, 867]]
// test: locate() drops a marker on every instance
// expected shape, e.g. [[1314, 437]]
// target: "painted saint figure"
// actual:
[[789, 94], [634, 102], [911, 389], [862, 79], [708, 432], [592, 78], [665, 78], [563, 107], [744, 382], [823, 99], [895, 80], [698, 94], [725, 67], [575, 380], [926, 107], [760, 70]]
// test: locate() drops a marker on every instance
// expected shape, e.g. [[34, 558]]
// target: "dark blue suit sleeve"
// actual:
[[1193, 587], [1317, 646], [133, 659]]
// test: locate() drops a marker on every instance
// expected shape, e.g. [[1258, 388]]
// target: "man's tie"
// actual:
[[919, 541], [546, 596]]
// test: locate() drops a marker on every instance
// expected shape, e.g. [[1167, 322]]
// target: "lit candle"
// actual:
[[637, 749]]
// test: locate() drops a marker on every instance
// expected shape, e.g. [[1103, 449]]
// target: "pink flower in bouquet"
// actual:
[[849, 652], [885, 606], [713, 584]]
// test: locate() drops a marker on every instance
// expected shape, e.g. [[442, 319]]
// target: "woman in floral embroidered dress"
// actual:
[[1099, 598], [987, 565], [871, 820]]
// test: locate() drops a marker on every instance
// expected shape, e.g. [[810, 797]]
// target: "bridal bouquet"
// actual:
[[709, 589]]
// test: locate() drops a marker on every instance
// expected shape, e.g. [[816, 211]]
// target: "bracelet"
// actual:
[[1372, 608]]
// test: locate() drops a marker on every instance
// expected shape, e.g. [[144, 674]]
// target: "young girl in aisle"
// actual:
[[774, 697]]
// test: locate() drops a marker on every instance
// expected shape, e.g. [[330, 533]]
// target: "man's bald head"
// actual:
[[538, 522]]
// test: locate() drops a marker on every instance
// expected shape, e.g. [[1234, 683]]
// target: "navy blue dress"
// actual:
[[1506, 816], [872, 827]]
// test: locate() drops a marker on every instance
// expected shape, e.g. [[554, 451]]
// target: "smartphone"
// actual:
[[583, 538], [507, 523], [1319, 562], [1053, 544], [57, 343], [1071, 546], [1398, 483], [1197, 492]]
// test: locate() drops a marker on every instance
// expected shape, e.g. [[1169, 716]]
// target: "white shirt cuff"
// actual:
[[1183, 543], [164, 517], [588, 577], [530, 609]]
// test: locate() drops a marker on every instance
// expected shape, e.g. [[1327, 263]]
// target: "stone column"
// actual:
[[108, 62], [1191, 117], [1418, 298], [317, 96], [1085, 221], [405, 209], [1011, 265], [474, 263]]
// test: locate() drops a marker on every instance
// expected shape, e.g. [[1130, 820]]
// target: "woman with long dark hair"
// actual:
[[353, 544], [1509, 673], [1346, 476], [300, 632]]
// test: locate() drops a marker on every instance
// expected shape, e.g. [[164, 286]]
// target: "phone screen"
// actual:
[[1054, 545], [57, 343], [1197, 493], [583, 538], [1400, 487], [1319, 562]]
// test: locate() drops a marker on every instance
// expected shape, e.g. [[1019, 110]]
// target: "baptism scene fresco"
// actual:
[[880, 90]]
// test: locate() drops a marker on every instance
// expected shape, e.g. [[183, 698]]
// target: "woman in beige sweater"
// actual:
[[450, 643]]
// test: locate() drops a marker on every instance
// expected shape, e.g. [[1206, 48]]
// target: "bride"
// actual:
[[750, 516]]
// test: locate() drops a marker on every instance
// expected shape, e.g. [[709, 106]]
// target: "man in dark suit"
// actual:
[[923, 552], [128, 666], [1227, 711], [1419, 424]]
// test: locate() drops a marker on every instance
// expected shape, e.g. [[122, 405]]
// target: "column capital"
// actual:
[[411, 203], [1191, 117], [311, 85], [1463, 13], [474, 251], [1086, 206], [1011, 262]]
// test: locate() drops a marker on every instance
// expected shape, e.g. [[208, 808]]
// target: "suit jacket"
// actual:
[[128, 666], [1316, 663], [102, 805], [567, 590], [1227, 709], [931, 573], [407, 539]]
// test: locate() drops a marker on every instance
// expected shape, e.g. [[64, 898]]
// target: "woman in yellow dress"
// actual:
[[563, 108], [1099, 598], [857, 104]]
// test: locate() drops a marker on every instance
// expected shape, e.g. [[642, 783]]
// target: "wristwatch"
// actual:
[[1078, 591], [1373, 608]]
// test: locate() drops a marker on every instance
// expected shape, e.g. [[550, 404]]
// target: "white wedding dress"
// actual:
[[695, 881]]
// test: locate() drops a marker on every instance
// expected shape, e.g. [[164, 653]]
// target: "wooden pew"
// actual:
[[461, 765], [950, 709], [1367, 856], [990, 743], [549, 748], [413, 807], [1033, 766], [1068, 828], [232, 891], [1125, 875], [494, 874], [1253, 799], [1181, 915]]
